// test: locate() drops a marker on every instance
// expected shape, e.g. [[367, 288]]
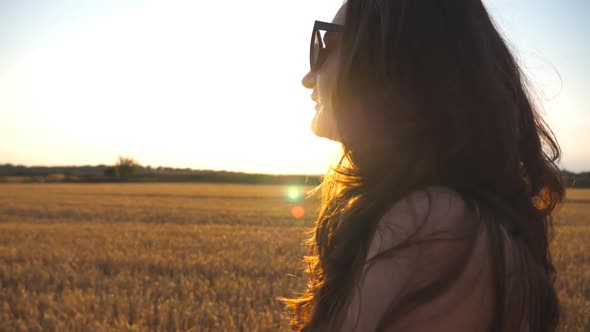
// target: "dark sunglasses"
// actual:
[[317, 49]]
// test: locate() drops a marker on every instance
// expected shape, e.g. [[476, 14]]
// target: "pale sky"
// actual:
[[217, 84]]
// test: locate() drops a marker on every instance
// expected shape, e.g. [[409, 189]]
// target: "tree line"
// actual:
[[127, 169]]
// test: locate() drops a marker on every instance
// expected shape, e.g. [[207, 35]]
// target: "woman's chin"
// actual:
[[322, 126], [323, 132]]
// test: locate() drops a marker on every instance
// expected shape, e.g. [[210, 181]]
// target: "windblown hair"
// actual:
[[429, 94]]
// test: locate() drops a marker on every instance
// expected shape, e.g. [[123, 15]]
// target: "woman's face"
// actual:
[[322, 82]]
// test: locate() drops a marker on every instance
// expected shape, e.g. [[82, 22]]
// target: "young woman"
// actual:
[[438, 215]]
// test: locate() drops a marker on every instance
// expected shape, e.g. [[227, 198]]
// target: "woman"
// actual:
[[438, 215]]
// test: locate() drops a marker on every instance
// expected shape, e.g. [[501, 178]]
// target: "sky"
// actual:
[[217, 84]]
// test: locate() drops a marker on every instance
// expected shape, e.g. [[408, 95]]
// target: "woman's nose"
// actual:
[[308, 80]]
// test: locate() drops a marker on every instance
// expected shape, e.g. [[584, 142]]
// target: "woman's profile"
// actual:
[[437, 217]]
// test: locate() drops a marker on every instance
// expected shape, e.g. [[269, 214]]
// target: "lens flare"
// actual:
[[297, 212], [294, 193]]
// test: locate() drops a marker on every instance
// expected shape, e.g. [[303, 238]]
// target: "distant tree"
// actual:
[[110, 171], [125, 167]]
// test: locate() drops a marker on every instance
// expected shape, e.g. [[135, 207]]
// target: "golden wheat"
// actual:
[[195, 257]]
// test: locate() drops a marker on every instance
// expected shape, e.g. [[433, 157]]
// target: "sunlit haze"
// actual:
[[217, 84]]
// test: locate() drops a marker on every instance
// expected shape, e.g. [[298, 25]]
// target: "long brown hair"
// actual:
[[428, 93]]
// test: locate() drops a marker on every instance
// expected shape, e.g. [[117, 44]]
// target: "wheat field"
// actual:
[[187, 257]]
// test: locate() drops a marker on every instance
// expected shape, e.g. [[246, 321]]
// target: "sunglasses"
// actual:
[[317, 49]]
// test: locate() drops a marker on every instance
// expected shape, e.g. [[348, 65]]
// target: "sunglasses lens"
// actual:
[[316, 45]]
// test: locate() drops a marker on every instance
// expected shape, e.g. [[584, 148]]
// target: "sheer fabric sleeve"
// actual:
[[427, 248]]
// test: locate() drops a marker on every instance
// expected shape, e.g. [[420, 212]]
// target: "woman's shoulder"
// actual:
[[431, 209], [432, 201], [430, 238], [427, 214]]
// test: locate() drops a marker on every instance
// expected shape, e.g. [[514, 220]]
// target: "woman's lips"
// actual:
[[317, 107]]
